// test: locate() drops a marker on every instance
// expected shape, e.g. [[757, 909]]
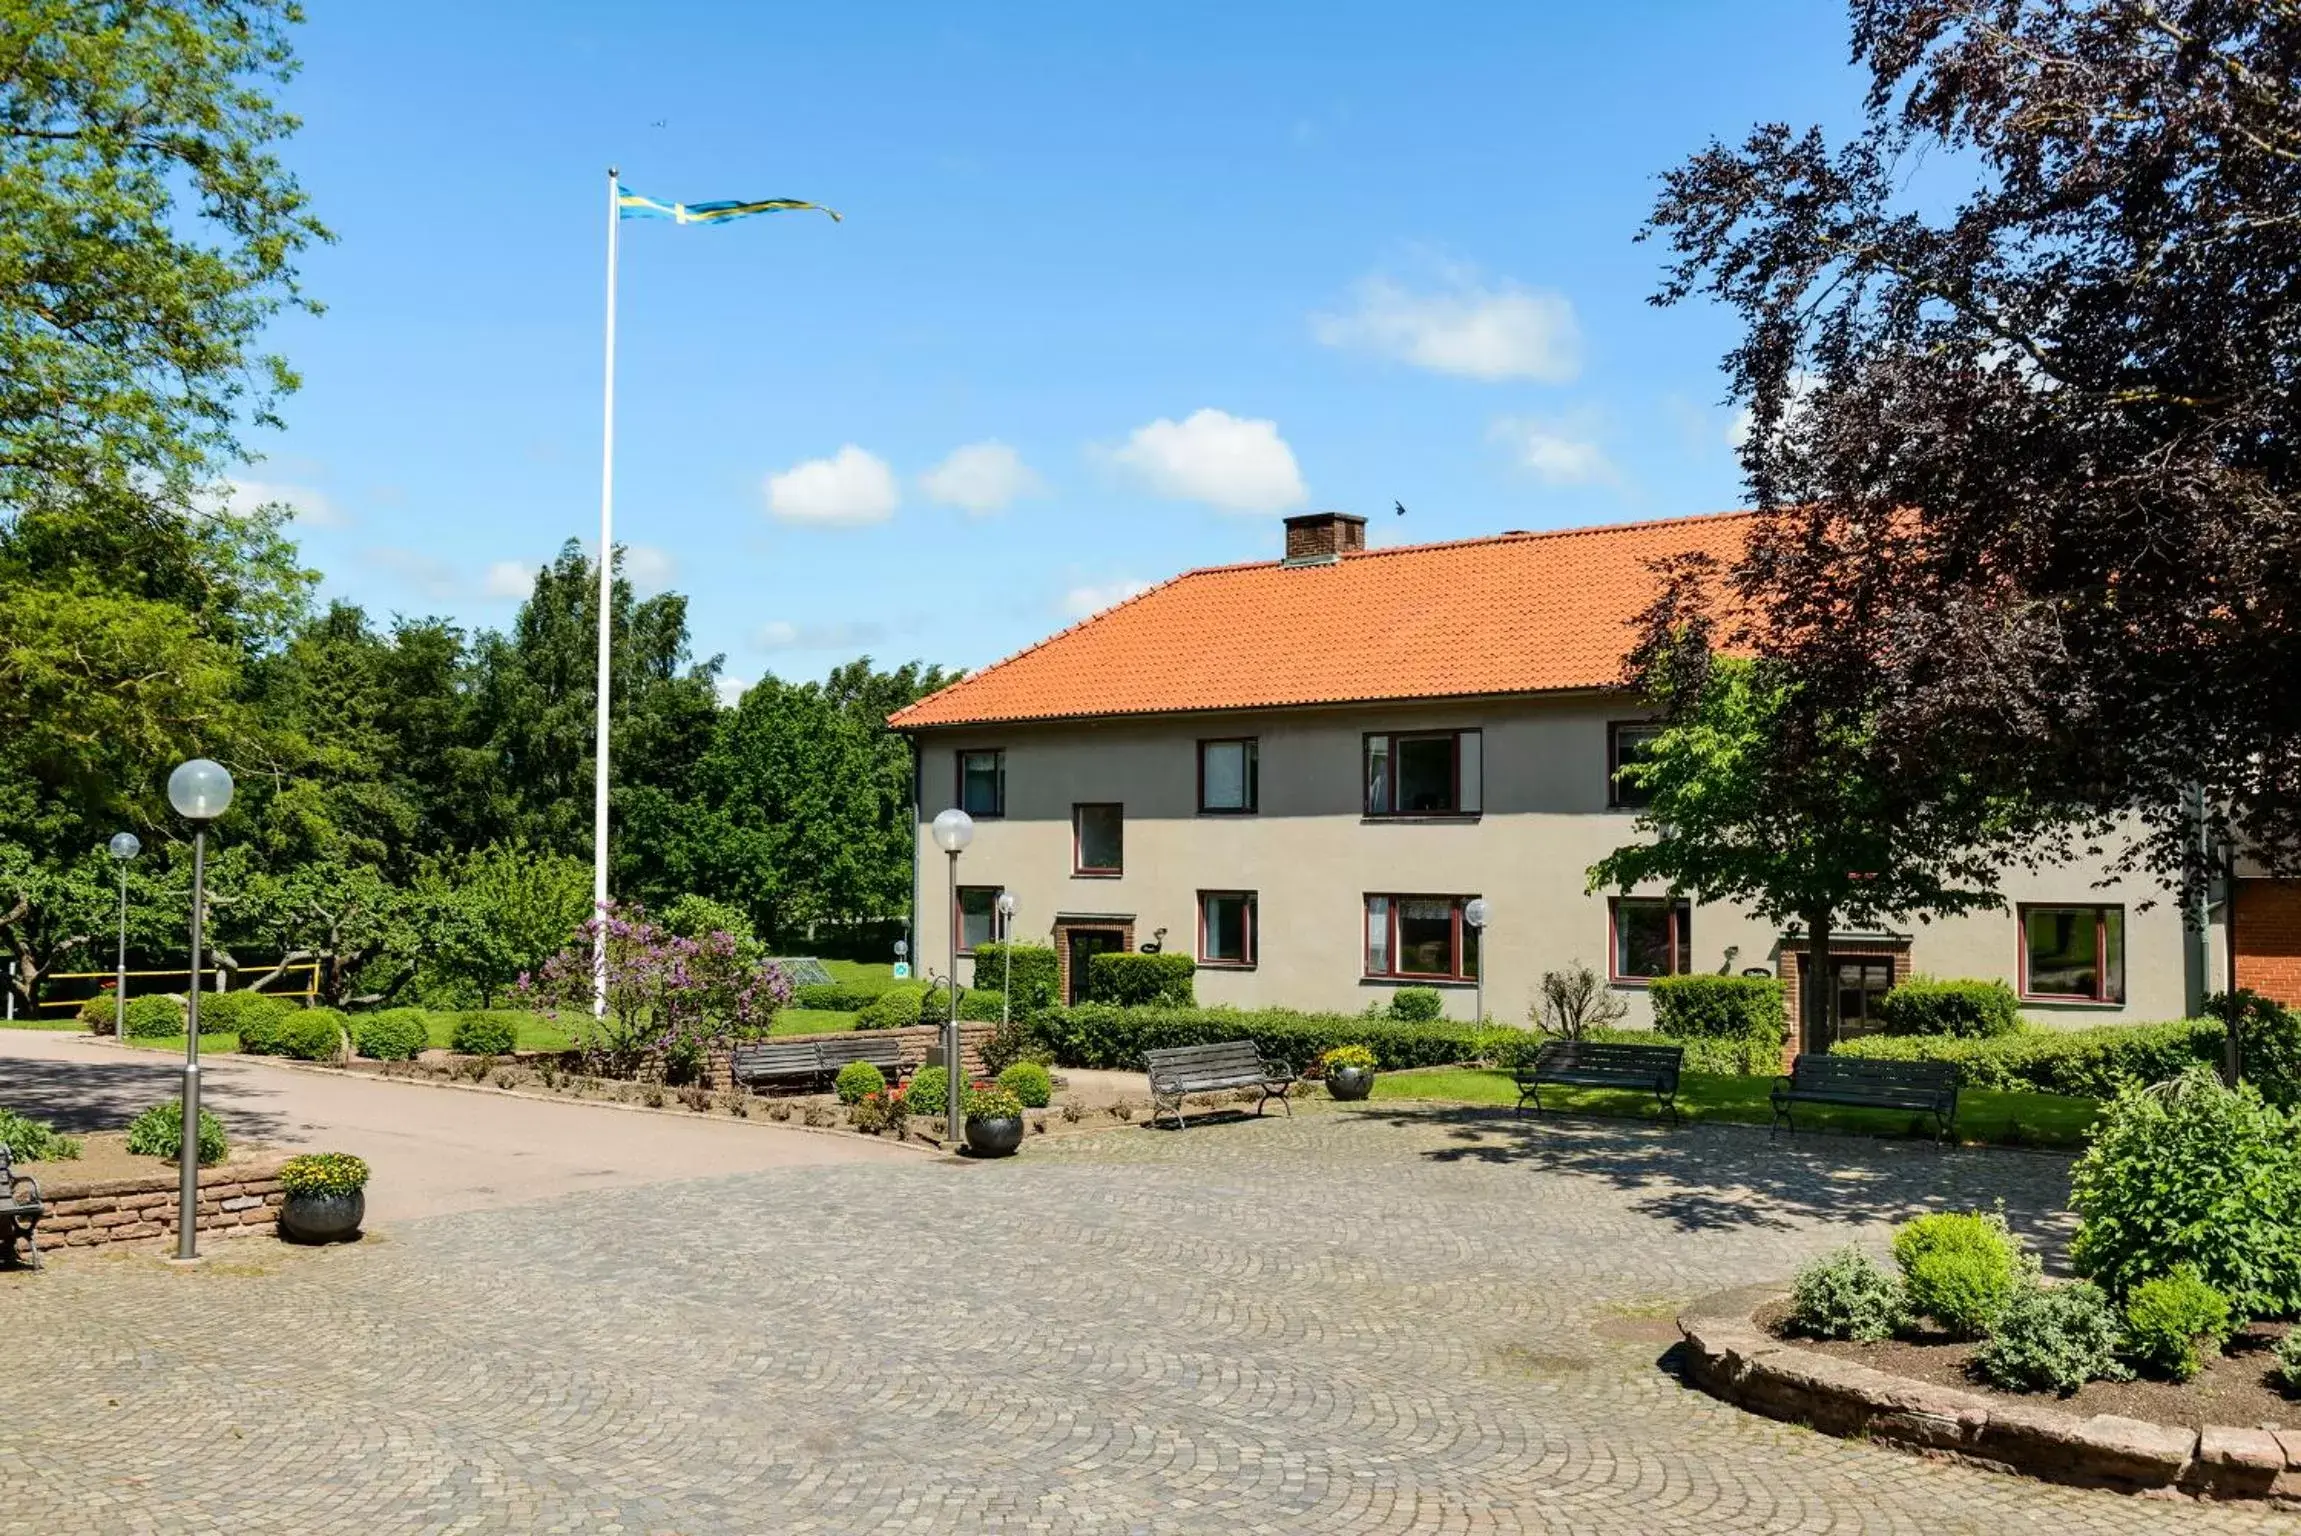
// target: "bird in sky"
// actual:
[[1401, 506]]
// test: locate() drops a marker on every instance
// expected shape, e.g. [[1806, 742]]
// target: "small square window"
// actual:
[[983, 783], [1626, 744], [1226, 927], [1098, 839], [1653, 936], [2073, 954], [1429, 773], [1227, 777], [978, 916]]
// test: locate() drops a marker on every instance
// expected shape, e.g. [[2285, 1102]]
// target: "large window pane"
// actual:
[[1227, 776], [2064, 960], [1652, 938], [983, 783], [1425, 774], [978, 915], [1227, 926], [1377, 935], [1099, 838], [1425, 937]]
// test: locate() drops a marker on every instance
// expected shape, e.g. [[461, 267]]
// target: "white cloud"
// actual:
[[981, 477], [241, 498], [838, 634], [1081, 602], [508, 579], [1558, 452], [732, 689], [850, 487], [1235, 463], [1462, 327], [649, 570]]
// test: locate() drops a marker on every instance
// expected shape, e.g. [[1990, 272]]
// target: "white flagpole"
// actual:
[[606, 608]]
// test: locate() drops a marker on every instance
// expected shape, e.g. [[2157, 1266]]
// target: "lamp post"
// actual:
[[1474, 913], [200, 791], [124, 847], [953, 830], [1007, 906]]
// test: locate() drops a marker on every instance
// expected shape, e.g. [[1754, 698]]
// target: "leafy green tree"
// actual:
[[1764, 795], [501, 912]]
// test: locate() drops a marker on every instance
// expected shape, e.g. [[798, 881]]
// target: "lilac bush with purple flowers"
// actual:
[[669, 999]]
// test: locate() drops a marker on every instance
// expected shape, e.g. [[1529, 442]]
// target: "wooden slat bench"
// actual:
[[1179, 1072], [766, 1063], [20, 1210], [881, 1050], [1601, 1064], [1858, 1082]]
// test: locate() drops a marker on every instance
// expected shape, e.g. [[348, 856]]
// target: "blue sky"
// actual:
[[1117, 288]]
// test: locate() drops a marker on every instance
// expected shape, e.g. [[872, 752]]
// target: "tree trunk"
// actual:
[[1814, 1007]]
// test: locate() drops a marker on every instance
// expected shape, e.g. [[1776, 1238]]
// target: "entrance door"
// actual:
[[1860, 984], [1083, 945]]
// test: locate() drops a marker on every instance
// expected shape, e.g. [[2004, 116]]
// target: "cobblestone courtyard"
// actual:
[[1349, 1322]]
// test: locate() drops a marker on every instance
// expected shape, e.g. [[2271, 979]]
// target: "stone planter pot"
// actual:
[[1350, 1084], [995, 1138], [322, 1218]]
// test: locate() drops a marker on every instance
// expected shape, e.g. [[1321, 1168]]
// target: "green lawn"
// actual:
[[810, 1021], [66, 1021], [2006, 1119], [861, 973]]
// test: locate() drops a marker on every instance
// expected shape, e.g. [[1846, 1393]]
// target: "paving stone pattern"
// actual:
[[1356, 1321]]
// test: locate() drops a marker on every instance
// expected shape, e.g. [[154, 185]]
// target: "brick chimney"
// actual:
[[1321, 538]]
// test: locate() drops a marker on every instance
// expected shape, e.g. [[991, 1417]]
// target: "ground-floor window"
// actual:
[[978, 916], [1653, 936], [1226, 927], [1421, 937], [2073, 954]]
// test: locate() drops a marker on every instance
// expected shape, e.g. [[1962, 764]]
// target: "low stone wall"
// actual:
[[235, 1199], [916, 1041], [1729, 1356]]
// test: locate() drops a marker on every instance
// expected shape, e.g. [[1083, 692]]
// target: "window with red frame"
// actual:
[[977, 916], [1424, 773], [1226, 928], [1098, 839], [2073, 954], [1422, 937], [1653, 936]]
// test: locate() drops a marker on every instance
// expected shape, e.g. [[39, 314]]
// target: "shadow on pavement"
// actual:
[[80, 1097]]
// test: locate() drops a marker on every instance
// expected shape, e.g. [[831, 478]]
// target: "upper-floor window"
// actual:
[[1226, 927], [1420, 936], [983, 782], [1626, 743], [1098, 839], [977, 917], [1653, 936], [1423, 773], [2073, 954], [1228, 777]]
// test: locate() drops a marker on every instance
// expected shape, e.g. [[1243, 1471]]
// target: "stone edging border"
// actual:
[[1729, 1356]]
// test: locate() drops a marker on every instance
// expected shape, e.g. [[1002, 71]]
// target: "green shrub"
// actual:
[[2053, 1338], [1845, 1295], [159, 1132], [835, 996], [323, 1173], [2193, 1173], [1417, 1005], [925, 1093], [231, 1013], [98, 1013], [395, 1034], [155, 1016], [1029, 1082], [990, 1104], [935, 1004], [857, 1080], [484, 1034], [895, 1008], [1133, 980], [2089, 1063], [981, 1005], [312, 1034], [875, 1114], [1960, 1268], [2268, 1043], [1104, 1036], [1704, 1007], [35, 1141], [1033, 979], [2288, 1367], [2171, 1320], [1015, 1040], [1970, 1010]]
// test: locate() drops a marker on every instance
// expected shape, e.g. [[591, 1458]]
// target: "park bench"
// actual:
[[19, 1211], [1183, 1070], [1597, 1064], [1857, 1082], [767, 1063]]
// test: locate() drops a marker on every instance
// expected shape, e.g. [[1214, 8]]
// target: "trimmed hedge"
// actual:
[[835, 996], [1970, 1010], [155, 1016], [395, 1034], [2269, 1043], [230, 1013], [981, 1005], [2089, 1063], [1028, 972], [484, 1034], [1705, 1007], [1136, 980], [1417, 1005], [894, 1008]]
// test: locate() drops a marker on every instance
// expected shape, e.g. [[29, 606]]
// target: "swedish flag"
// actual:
[[631, 205]]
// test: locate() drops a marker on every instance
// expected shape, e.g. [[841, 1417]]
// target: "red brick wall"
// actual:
[[2269, 938], [237, 1199]]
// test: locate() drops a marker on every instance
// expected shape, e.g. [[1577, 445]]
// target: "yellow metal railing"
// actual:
[[209, 975]]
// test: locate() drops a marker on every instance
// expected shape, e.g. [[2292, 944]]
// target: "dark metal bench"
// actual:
[[880, 1050], [1859, 1082], [19, 1211], [1179, 1072], [1596, 1064]]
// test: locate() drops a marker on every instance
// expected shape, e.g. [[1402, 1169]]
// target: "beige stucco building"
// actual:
[[1302, 772]]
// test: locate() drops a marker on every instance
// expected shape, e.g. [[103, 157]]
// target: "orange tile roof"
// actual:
[[1516, 613]]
